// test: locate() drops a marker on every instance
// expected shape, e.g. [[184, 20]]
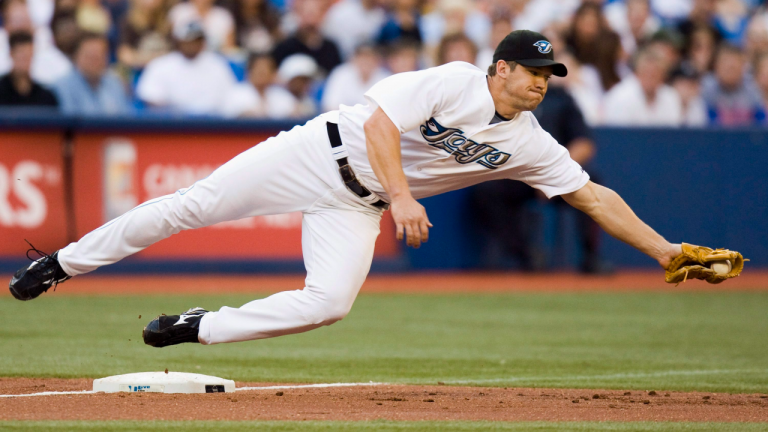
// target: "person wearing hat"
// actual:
[[189, 80], [419, 134], [297, 73]]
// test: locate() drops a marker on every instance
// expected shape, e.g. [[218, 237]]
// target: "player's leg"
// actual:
[[338, 250], [284, 174]]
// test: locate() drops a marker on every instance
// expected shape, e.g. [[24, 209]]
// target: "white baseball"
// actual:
[[721, 267]]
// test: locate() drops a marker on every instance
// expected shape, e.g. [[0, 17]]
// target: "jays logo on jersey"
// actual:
[[464, 150], [543, 46]]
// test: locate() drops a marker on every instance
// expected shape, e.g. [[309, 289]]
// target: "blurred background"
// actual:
[[107, 103]]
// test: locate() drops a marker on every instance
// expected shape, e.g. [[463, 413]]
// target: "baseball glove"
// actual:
[[695, 262]]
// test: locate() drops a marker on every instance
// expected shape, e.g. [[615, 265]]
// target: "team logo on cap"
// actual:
[[544, 46]]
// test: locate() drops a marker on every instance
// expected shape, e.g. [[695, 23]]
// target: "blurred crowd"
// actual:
[[631, 62]]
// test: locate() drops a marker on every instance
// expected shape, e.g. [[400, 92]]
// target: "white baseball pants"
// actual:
[[293, 171]]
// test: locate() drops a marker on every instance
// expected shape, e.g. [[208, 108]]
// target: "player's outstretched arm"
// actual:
[[382, 140], [614, 215]]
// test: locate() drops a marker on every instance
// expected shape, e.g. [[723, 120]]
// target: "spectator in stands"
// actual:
[[594, 43], [403, 23], [732, 99], [643, 99], [92, 17], [456, 47], [260, 96], [66, 33], [503, 207], [756, 41], [687, 83], [90, 88], [189, 80], [308, 39], [65, 7], [731, 19], [702, 16], [537, 15], [353, 22], [761, 80], [48, 64], [145, 33], [583, 84], [403, 56], [217, 22], [669, 44], [633, 21], [700, 54], [18, 87], [453, 17], [257, 25], [348, 83], [501, 26], [298, 73]]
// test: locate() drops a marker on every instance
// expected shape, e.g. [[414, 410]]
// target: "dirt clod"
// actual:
[[166, 370], [429, 400], [707, 397], [279, 393], [646, 401], [652, 393], [627, 393], [595, 396], [575, 401]]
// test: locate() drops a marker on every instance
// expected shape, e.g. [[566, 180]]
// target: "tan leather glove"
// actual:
[[695, 261]]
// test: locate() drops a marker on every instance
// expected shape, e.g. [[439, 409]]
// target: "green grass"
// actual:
[[379, 426], [662, 341]]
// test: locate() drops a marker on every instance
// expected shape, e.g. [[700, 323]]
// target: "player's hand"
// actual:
[[672, 253], [411, 221]]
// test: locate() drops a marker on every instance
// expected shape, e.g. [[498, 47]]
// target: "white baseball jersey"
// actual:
[[447, 142]]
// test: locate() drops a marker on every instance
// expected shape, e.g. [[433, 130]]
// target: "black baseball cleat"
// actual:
[[174, 329], [29, 282]]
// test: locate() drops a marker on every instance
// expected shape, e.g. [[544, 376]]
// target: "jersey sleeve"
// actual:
[[552, 171], [409, 99]]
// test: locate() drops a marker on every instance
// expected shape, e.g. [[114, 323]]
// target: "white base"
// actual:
[[161, 382]]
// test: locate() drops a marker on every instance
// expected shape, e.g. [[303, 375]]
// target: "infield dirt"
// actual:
[[392, 402]]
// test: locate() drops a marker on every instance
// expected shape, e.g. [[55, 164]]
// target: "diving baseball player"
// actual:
[[421, 134]]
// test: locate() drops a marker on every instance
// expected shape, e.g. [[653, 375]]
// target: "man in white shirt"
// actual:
[[189, 80], [260, 96], [421, 134], [348, 83], [298, 73], [643, 99]]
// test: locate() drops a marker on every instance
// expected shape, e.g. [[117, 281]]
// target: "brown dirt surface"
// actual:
[[393, 402], [417, 283]]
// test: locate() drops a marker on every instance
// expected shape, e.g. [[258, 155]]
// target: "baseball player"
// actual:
[[421, 134]]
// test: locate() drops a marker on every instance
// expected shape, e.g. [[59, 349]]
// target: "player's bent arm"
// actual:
[[382, 140], [610, 211]]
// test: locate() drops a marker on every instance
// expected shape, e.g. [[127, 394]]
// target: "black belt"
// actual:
[[347, 175]]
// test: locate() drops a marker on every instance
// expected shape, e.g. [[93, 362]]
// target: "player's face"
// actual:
[[527, 86]]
